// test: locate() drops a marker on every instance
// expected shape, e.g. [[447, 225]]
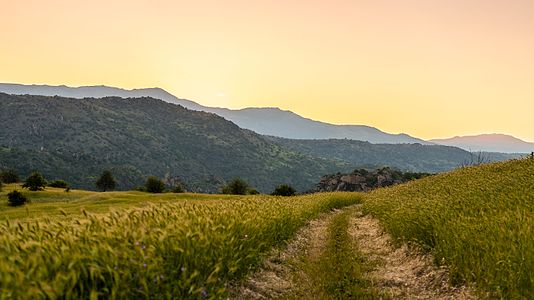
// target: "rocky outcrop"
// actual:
[[364, 180]]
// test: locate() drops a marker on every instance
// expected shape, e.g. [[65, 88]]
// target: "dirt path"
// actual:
[[282, 276], [401, 273], [396, 273]]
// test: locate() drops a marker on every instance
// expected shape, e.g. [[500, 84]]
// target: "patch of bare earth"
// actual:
[[280, 276], [401, 273]]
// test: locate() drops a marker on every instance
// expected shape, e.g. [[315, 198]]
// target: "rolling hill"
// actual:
[[477, 221], [489, 143], [75, 139], [267, 121], [408, 157]]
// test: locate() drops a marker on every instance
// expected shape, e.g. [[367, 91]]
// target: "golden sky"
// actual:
[[424, 67]]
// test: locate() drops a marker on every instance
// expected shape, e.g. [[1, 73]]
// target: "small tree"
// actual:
[[284, 190], [9, 176], [16, 198], [236, 187], [35, 182], [253, 191], [59, 184], [154, 185], [178, 189], [106, 182]]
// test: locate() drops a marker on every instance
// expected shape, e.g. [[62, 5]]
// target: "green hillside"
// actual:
[[408, 157], [478, 220], [76, 139]]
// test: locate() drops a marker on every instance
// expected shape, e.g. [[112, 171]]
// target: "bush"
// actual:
[[106, 182], [59, 184], [35, 182], [284, 190], [178, 189], [253, 192], [154, 185], [139, 189], [9, 176], [16, 198], [236, 187]]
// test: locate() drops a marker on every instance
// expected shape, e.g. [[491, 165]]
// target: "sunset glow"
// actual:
[[427, 68]]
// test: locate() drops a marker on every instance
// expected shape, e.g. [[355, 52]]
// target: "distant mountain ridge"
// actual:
[[488, 143], [266, 121], [406, 157]]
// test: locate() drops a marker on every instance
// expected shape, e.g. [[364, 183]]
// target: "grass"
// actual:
[[135, 245], [341, 268], [330, 266], [54, 202], [478, 220]]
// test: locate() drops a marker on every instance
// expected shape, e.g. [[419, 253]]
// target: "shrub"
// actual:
[[59, 184], [16, 198], [178, 189], [9, 176], [253, 192], [35, 182], [106, 182], [139, 189], [154, 185], [362, 172], [236, 187], [284, 190]]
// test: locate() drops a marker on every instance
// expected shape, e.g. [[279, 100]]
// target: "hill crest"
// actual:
[[266, 121], [494, 142]]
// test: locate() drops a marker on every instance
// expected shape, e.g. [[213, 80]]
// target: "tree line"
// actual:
[[106, 182]]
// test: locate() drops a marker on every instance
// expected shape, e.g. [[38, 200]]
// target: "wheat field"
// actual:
[[135, 245], [478, 221]]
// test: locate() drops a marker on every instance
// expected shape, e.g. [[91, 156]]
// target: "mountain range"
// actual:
[[266, 121], [273, 121], [406, 157], [76, 139], [488, 142]]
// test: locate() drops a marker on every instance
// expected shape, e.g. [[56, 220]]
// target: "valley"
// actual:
[[258, 150]]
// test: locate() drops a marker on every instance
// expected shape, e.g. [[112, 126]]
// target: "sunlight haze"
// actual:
[[431, 69]]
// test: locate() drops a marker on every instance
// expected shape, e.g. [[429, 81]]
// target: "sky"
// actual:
[[428, 68]]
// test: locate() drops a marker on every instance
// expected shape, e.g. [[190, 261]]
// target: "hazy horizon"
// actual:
[[427, 68], [486, 135]]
